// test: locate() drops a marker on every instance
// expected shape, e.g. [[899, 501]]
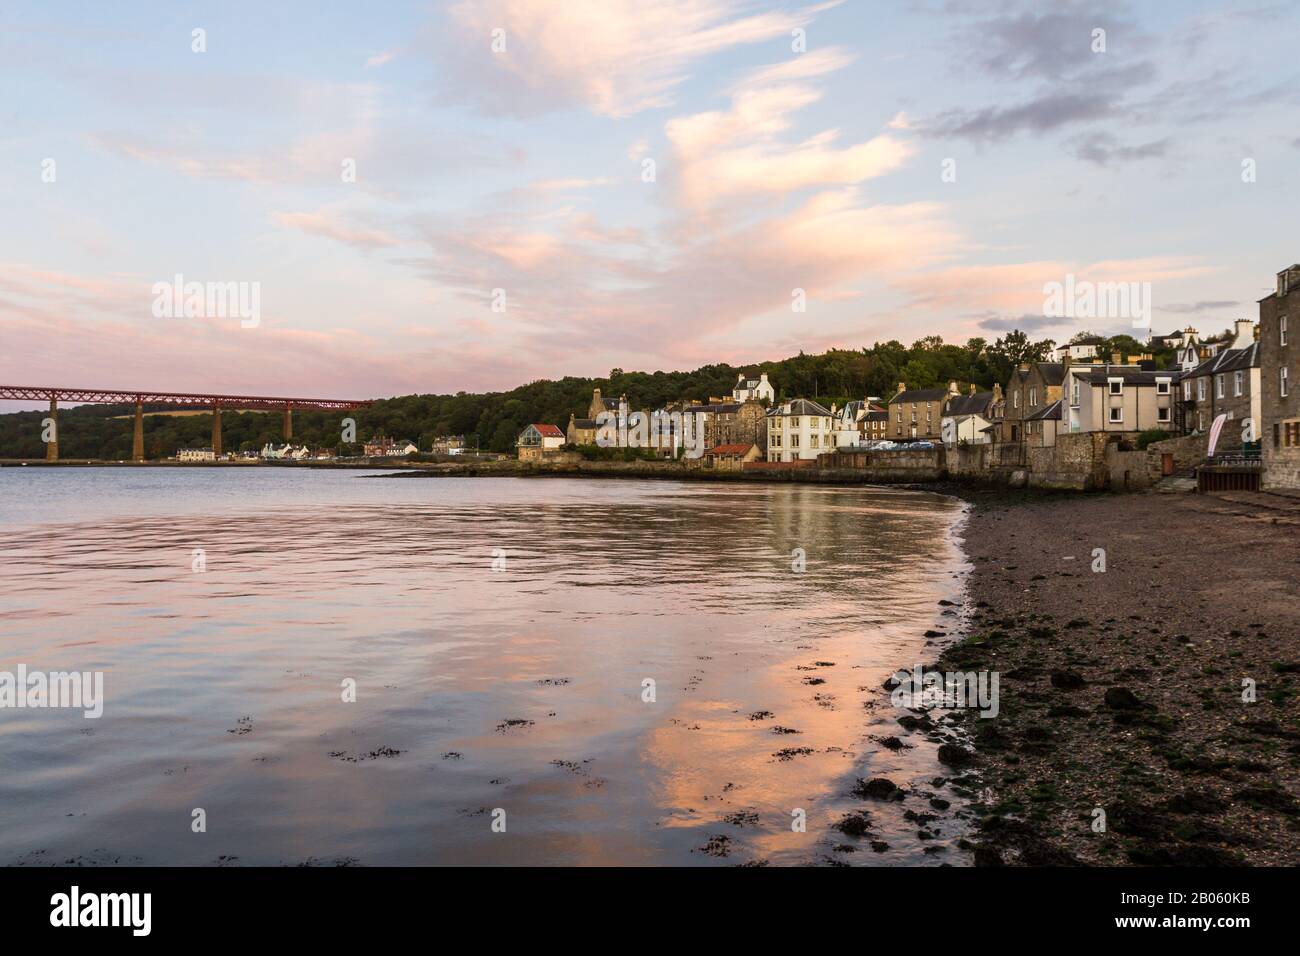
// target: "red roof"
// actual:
[[549, 431], [729, 449]]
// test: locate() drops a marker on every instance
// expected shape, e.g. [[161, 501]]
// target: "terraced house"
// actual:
[[1279, 356], [1226, 383], [1034, 388], [917, 414]]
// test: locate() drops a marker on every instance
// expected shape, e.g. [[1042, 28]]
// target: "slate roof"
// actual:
[[1051, 413], [920, 395], [799, 406], [1229, 360], [977, 404], [1129, 374]]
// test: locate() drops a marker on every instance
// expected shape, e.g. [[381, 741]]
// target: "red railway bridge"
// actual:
[[108, 396]]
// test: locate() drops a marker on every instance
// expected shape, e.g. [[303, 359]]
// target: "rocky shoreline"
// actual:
[[1122, 736]]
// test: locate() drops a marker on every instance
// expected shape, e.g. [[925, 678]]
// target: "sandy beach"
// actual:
[[1123, 736]]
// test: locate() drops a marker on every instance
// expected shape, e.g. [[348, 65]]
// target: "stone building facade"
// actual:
[[1227, 383], [917, 414], [1279, 360]]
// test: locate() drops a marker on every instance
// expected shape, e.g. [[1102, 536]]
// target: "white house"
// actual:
[[966, 418], [799, 430], [285, 452], [195, 454], [1076, 351], [759, 389]]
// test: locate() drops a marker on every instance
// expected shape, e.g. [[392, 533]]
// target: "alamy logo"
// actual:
[[103, 909], [81, 690], [209, 300], [1098, 300], [950, 690]]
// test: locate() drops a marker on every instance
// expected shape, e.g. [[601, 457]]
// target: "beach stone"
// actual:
[[1067, 680], [1121, 698]]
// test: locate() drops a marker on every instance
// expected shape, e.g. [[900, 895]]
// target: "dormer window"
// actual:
[[1116, 386], [1162, 386]]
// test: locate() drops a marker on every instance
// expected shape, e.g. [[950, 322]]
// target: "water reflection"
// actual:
[[520, 689]]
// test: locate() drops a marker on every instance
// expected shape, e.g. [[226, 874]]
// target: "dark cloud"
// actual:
[[1104, 149], [1040, 115], [1205, 305], [1010, 323]]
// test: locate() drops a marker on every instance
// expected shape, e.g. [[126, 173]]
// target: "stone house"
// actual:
[[731, 457], [1227, 383], [917, 414], [728, 423], [580, 431], [1033, 387], [1279, 359]]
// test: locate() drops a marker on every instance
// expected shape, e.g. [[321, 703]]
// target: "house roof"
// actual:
[[976, 404], [718, 408], [1051, 413], [799, 406], [920, 395], [737, 449], [1128, 373], [1229, 360], [547, 431], [587, 423]]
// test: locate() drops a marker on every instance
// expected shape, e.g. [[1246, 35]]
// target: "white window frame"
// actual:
[[1033, 397], [1200, 389], [1162, 386], [1218, 386], [1074, 391], [1162, 413], [1115, 386], [1115, 415], [1236, 384], [1282, 380], [1187, 391]]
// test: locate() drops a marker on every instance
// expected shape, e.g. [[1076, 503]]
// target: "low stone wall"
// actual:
[[889, 467]]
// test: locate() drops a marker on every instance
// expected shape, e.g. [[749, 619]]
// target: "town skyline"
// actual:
[[794, 148]]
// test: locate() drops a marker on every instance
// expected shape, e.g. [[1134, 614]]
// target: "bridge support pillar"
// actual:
[[288, 422], [137, 443], [216, 430], [52, 446]]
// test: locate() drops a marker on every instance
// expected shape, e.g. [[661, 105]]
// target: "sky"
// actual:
[[435, 197]]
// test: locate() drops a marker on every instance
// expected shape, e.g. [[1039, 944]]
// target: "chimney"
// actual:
[[1245, 334], [902, 387], [763, 377], [1116, 358], [972, 389], [997, 393], [952, 388], [740, 376]]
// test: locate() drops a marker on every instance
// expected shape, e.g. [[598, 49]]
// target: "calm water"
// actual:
[[477, 689]]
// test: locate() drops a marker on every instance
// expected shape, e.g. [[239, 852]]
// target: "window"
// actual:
[[1292, 433], [1187, 391], [794, 441], [1033, 397], [1162, 386], [1200, 389], [1117, 414], [776, 441], [1281, 331], [1281, 380], [1218, 386], [1075, 394], [814, 441], [1116, 385], [794, 422], [1162, 414], [1236, 383], [1015, 399]]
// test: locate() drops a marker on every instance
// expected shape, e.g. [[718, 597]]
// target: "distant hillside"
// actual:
[[494, 419]]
